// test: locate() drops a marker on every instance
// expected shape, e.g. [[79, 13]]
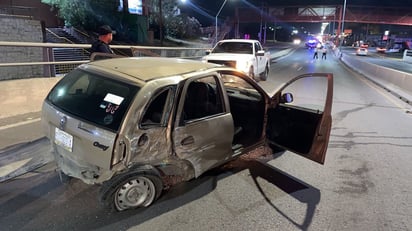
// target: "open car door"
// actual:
[[299, 118]]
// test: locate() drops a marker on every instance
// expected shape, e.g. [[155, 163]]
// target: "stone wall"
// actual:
[[20, 29]]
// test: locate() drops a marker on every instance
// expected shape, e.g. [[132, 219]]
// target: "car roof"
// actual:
[[149, 68], [239, 40]]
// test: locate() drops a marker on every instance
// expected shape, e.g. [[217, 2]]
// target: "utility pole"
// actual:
[[160, 23], [217, 15], [343, 23]]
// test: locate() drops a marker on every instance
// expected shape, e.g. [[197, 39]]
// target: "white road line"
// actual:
[[19, 124]]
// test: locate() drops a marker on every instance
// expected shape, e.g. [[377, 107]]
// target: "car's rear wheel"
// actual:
[[131, 191]]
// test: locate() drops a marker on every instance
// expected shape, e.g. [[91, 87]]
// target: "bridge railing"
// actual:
[[50, 65]]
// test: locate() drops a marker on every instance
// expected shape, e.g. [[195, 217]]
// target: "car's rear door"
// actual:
[[303, 125]]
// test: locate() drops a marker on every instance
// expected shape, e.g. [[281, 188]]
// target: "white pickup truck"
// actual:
[[243, 54]]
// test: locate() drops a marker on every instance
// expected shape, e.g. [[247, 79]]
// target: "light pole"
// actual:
[[343, 23], [216, 19]]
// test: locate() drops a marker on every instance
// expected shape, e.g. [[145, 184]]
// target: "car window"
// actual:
[[203, 99], [238, 87], [308, 93], [234, 47], [257, 47], [156, 110], [94, 98]]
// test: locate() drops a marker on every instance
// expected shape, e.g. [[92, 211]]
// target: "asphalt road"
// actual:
[[364, 184]]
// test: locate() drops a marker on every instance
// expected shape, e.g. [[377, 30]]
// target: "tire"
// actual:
[[265, 74], [131, 191]]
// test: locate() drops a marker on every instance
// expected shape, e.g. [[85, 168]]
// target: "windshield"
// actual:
[[97, 99], [234, 47]]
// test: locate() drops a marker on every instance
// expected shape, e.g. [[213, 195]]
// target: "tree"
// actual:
[[174, 23], [87, 14], [90, 14]]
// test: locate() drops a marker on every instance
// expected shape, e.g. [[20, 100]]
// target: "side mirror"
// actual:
[[260, 53], [208, 52], [287, 98]]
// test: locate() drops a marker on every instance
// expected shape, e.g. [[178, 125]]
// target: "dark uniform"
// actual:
[[100, 46]]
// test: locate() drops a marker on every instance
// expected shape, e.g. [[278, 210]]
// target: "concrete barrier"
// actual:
[[397, 82], [407, 56], [23, 96]]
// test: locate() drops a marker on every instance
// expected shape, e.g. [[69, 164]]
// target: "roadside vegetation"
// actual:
[[90, 14]]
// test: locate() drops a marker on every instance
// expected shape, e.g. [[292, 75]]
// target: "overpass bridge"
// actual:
[[326, 14]]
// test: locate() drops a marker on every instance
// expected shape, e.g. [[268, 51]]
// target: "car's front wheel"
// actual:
[[265, 74], [131, 191]]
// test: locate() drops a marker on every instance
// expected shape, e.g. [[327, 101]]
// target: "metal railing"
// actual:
[[50, 64]]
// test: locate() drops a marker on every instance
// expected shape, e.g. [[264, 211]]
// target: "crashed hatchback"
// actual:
[[130, 124]]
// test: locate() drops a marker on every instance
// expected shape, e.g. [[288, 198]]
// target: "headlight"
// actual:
[[243, 65]]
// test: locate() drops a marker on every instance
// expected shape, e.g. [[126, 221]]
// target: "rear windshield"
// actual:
[[97, 99]]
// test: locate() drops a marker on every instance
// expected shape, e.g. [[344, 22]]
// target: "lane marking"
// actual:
[[19, 124], [6, 170]]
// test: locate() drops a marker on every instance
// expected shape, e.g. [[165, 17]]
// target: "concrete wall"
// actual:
[[24, 96], [20, 29], [34, 9]]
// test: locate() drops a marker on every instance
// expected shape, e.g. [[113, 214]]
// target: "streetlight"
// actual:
[[216, 18], [343, 24]]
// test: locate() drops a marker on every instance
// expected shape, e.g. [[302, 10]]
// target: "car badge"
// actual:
[[63, 122]]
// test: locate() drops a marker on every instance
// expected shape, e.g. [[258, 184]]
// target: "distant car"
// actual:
[[312, 43], [381, 49], [138, 126], [362, 51], [246, 55], [364, 45], [296, 41]]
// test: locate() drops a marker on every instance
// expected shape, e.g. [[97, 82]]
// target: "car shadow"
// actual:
[[43, 202]]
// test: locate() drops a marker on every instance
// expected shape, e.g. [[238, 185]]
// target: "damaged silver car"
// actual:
[[132, 124]]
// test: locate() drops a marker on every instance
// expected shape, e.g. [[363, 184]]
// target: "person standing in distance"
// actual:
[[315, 53], [324, 52], [105, 37]]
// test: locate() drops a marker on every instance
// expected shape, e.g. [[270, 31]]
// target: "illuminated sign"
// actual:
[[136, 7]]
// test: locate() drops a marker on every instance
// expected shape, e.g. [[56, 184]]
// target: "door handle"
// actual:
[[188, 140]]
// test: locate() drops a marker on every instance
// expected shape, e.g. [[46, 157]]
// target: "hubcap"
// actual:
[[137, 192]]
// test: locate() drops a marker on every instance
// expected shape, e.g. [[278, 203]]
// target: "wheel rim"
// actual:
[[137, 192]]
